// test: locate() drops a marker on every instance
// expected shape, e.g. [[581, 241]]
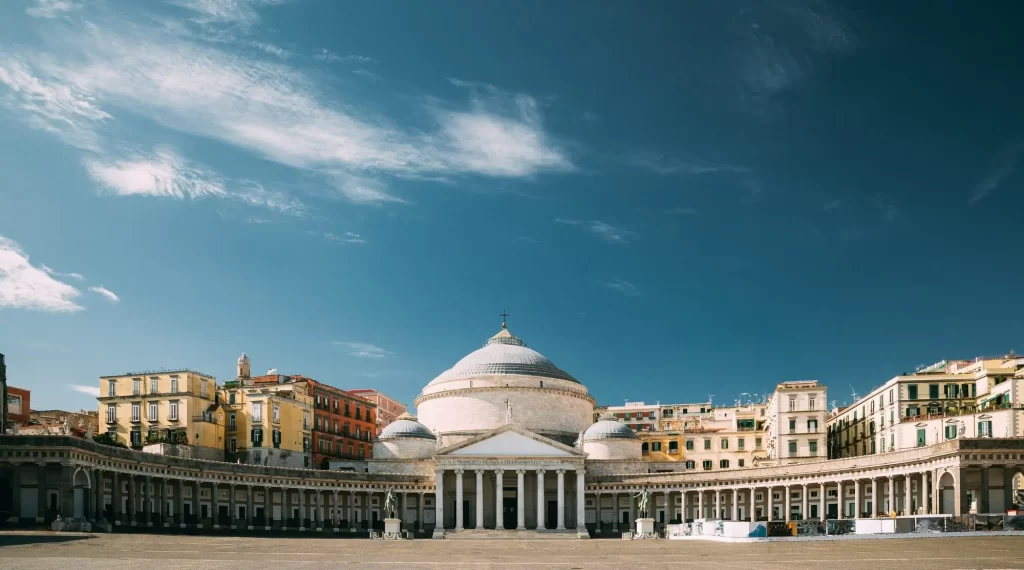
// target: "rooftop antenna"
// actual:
[[854, 393], [710, 405]]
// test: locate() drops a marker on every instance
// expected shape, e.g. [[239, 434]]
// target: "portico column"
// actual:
[[459, 523], [335, 512], [438, 501], [268, 509], [179, 502], [840, 514], [215, 506], [700, 503], [874, 497], [922, 492], [302, 509], [419, 512], [232, 507], [735, 504], [132, 500], [682, 501], [520, 499], [822, 503], [499, 499], [804, 513], [771, 505], [788, 505], [856, 498], [718, 504], [669, 507], [906, 493], [115, 497], [479, 498], [541, 511], [751, 507], [983, 502], [892, 495], [561, 499], [581, 504]]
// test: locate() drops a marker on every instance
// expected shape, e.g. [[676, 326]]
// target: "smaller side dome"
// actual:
[[405, 426], [243, 359], [608, 428]]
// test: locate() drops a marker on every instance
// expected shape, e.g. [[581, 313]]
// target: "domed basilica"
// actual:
[[510, 438]]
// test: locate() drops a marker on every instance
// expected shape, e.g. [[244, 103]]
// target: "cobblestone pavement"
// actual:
[[31, 551]]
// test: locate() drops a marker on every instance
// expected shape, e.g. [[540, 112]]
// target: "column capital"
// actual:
[[499, 471], [520, 471], [460, 471], [439, 472], [580, 471], [480, 471], [560, 471], [541, 471]]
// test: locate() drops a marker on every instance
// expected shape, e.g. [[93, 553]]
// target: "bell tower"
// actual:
[[244, 367]]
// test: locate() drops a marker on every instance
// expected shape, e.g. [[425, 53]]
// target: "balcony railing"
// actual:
[[205, 418]]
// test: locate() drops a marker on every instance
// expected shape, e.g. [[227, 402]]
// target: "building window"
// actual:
[[741, 462], [154, 385], [723, 464], [707, 444], [741, 443], [231, 398], [276, 435], [951, 431], [232, 422], [136, 386], [136, 412], [335, 426], [921, 438], [706, 464], [305, 421], [336, 404], [812, 426], [724, 442], [174, 384], [257, 411], [644, 449], [656, 446], [257, 456], [232, 445], [359, 413], [257, 437], [277, 413], [813, 445], [792, 447], [172, 410], [136, 438], [792, 403], [111, 388], [154, 412], [912, 391], [757, 443], [347, 412], [111, 413], [202, 389], [690, 464], [892, 442], [810, 403], [933, 391], [673, 446], [985, 429], [792, 425]]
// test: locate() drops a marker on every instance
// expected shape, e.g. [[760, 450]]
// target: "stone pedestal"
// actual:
[[392, 528], [644, 527]]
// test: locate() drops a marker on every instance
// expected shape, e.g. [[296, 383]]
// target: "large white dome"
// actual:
[[505, 382]]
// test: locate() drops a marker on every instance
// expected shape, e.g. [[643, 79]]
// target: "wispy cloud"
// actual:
[[77, 276], [51, 8], [93, 391], [604, 230], [331, 57], [226, 11], [681, 163], [366, 73], [101, 290], [1003, 165], [624, 287], [364, 350], [347, 237], [163, 173], [271, 49], [832, 205], [25, 286]]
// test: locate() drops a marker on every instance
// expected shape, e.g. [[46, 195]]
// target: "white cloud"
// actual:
[[25, 286], [331, 57], [347, 237], [833, 205], [226, 11], [77, 276], [364, 350], [51, 104], [604, 230], [163, 74], [93, 391], [101, 290], [51, 8], [367, 74], [624, 287], [163, 174], [1003, 165], [271, 49]]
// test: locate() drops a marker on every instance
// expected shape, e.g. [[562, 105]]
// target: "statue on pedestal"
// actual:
[[644, 504], [390, 502]]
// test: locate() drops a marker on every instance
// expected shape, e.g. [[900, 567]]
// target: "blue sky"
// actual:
[[671, 199]]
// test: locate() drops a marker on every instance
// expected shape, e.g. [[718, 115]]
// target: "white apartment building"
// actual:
[[795, 425]]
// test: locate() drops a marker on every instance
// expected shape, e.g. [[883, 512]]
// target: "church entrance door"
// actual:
[[509, 513], [551, 520]]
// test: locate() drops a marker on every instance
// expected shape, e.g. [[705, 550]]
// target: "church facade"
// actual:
[[504, 441]]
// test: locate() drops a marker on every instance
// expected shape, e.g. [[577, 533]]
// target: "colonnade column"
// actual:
[[922, 491], [520, 499], [179, 502], [195, 504], [892, 494], [700, 503], [787, 503], [771, 504], [541, 511], [906, 493], [804, 513], [302, 509], [581, 508], [839, 500], [479, 498], [459, 523], [735, 505], [232, 507], [682, 501], [751, 507], [499, 498], [718, 504], [147, 506], [875, 510], [856, 498], [215, 506], [268, 508], [561, 499], [131, 498], [822, 503], [419, 511]]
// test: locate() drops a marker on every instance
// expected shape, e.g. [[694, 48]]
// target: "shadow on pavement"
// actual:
[[22, 539]]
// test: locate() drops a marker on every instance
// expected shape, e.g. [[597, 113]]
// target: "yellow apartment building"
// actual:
[[165, 406], [267, 424]]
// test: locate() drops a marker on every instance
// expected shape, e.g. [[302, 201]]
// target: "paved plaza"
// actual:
[[30, 551]]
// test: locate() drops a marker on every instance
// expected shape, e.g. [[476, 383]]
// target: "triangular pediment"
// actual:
[[510, 441]]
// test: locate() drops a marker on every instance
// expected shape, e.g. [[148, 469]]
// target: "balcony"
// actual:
[[205, 418]]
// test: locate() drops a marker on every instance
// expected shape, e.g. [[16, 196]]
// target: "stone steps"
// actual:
[[492, 534]]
